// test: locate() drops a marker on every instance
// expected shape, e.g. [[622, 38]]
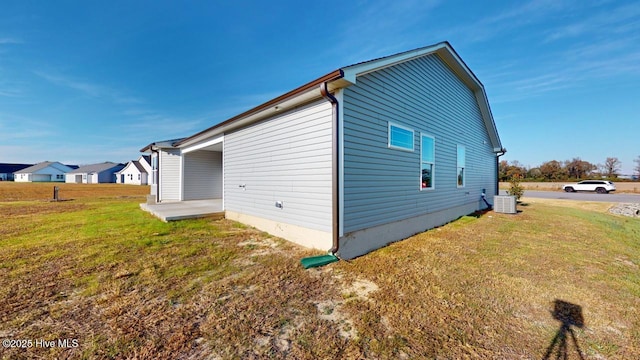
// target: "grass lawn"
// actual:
[[99, 270]]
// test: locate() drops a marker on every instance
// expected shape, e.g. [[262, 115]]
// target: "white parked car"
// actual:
[[599, 186]]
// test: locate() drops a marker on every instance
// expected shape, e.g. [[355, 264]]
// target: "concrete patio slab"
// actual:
[[180, 210]]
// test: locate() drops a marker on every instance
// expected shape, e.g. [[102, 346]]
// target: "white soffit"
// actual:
[[216, 140]]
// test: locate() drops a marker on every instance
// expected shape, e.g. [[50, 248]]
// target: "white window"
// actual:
[[154, 168], [461, 166], [427, 161], [400, 137]]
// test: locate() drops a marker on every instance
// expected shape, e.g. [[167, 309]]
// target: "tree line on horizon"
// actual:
[[554, 170]]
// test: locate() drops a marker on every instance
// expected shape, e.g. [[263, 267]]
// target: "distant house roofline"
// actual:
[[10, 168], [42, 165], [94, 168]]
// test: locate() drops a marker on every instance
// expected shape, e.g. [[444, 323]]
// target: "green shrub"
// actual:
[[516, 189]]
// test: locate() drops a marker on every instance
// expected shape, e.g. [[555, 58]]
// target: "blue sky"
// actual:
[[91, 81]]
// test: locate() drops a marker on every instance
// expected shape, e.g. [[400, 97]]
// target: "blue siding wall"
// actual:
[[382, 185]]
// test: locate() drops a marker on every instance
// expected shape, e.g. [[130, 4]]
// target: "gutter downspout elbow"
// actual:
[[335, 191]]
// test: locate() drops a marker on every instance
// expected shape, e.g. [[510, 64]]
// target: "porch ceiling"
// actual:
[[214, 147]]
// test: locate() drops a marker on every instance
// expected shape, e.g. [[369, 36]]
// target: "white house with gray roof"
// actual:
[[94, 173], [46, 171], [136, 172], [365, 155]]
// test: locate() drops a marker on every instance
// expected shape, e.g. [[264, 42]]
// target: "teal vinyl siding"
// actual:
[[381, 184]]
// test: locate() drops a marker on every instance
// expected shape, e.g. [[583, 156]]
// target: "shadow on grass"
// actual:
[[569, 315], [478, 214]]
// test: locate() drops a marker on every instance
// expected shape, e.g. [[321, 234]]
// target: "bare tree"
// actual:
[[612, 167], [637, 169]]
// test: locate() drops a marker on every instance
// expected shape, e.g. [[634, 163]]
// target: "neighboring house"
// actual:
[[46, 171], [366, 155], [7, 170], [94, 173], [136, 172]]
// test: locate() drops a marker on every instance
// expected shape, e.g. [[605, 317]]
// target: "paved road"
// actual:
[[582, 196]]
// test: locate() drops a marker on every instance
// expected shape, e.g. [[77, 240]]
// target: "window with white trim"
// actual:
[[400, 137], [461, 166], [427, 161]]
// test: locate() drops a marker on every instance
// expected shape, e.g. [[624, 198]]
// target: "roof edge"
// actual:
[[332, 76], [348, 75], [162, 143]]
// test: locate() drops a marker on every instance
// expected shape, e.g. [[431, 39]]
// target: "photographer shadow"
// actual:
[[569, 315]]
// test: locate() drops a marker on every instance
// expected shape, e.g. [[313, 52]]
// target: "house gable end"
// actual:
[[448, 55], [425, 96]]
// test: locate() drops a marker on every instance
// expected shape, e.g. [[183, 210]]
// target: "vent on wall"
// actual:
[[504, 204]]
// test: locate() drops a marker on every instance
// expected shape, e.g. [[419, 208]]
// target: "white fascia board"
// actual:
[[353, 71], [216, 140], [288, 104]]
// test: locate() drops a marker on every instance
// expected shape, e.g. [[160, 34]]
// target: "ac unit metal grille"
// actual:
[[505, 204]]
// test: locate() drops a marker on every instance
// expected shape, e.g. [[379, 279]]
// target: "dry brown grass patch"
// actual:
[[129, 286], [16, 191]]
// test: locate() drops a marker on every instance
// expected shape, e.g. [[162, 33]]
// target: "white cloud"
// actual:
[[6, 40], [18, 128], [379, 29], [90, 89], [84, 87], [621, 20], [504, 22], [6, 92]]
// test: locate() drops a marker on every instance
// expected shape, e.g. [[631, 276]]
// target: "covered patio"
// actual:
[[179, 210]]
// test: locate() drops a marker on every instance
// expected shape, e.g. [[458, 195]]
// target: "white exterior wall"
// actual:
[[202, 175], [170, 165], [145, 164], [73, 178], [22, 178], [132, 175], [285, 159]]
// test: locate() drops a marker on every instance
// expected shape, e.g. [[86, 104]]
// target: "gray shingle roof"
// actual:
[[37, 167], [93, 168], [139, 166]]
